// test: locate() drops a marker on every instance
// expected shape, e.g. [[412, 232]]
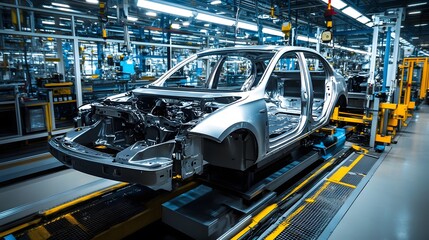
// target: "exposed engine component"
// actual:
[[145, 119]]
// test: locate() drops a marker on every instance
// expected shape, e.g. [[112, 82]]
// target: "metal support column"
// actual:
[[169, 50], [100, 58], [127, 42], [259, 25], [386, 59], [1, 35], [385, 79], [18, 15], [77, 76], [318, 40], [370, 104], [51, 109], [18, 112], [392, 74], [60, 55], [371, 79], [292, 37]]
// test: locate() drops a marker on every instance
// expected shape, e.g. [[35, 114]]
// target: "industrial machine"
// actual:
[[202, 208], [414, 84], [383, 107], [300, 194]]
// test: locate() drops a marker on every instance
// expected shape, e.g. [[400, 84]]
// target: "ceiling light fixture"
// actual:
[[61, 8], [417, 4], [415, 38], [151, 14], [214, 19], [338, 4], [132, 19], [60, 5], [307, 39], [414, 12], [48, 22], [68, 10], [354, 50], [363, 19], [273, 32], [216, 2], [164, 8], [248, 26], [175, 26], [421, 25], [351, 12], [186, 23], [92, 1]]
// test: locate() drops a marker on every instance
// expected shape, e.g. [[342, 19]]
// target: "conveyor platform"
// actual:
[[305, 208], [318, 212]]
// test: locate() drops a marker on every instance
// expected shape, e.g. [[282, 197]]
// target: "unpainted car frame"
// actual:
[[231, 108]]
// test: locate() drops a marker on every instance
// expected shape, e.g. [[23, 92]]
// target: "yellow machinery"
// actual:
[[397, 113], [396, 117], [412, 89], [415, 81], [390, 108]]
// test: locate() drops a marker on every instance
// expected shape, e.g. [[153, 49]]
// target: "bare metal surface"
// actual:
[[232, 107]]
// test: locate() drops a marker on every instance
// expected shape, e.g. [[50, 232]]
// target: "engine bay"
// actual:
[[147, 119]]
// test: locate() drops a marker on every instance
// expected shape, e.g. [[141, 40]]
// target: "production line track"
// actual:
[[123, 209], [316, 214], [113, 212]]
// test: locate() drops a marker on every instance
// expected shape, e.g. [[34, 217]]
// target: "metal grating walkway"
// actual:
[[308, 218], [111, 213], [89, 220]]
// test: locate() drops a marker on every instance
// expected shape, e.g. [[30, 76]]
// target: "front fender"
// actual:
[[245, 115]]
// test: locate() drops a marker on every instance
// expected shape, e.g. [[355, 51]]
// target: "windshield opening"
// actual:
[[238, 71]]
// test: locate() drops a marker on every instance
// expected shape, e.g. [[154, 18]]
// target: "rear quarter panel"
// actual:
[[250, 115]]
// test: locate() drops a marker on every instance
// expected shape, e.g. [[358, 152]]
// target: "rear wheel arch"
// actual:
[[239, 150], [341, 102]]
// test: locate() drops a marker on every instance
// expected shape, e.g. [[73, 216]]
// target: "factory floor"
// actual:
[[394, 203]]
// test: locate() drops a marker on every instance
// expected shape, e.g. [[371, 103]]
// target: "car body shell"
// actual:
[[236, 135]]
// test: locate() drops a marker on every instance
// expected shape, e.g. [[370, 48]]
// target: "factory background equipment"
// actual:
[[56, 56]]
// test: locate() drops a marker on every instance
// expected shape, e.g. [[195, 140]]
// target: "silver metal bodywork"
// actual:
[[226, 107]]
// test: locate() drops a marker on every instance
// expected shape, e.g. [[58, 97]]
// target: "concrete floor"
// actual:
[[395, 202]]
